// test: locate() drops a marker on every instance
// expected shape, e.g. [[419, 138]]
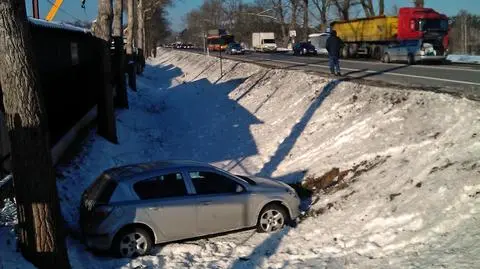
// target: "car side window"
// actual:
[[163, 186], [213, 183]]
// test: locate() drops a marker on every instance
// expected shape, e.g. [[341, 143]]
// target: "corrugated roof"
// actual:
[[58, 25]]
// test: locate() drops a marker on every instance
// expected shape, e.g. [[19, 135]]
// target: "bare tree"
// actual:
[[305, 19], [322, 7], [279, 9], [106, 114], [41, 233], [121, 100], [129, 46], [381, 7], [140, 32], [419, 3], [394, 10], [343, 8], [293, 18], [367, 6]]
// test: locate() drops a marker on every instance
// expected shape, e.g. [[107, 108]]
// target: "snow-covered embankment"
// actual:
[[404, 165], [410, 159]]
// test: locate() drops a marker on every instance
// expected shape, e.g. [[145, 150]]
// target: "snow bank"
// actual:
[[471, 59], [410, 163]]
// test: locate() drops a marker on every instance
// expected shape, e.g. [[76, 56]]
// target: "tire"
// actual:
[[272, 218], [345, 52], [124, 246], [386, 58], [410, 59]]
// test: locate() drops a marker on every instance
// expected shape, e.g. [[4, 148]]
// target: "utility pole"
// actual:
[[36, 13]]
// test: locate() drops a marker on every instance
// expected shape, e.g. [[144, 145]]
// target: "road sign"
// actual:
[[293, 33]]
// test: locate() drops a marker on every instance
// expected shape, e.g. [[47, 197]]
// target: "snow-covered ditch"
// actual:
[[469, 59], [406, 166]]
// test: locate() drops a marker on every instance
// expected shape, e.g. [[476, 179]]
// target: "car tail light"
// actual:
[[100, 213]]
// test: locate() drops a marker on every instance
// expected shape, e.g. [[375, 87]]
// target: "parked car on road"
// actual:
[[304, 48], [413, 51], [128, 209], [235, 48]]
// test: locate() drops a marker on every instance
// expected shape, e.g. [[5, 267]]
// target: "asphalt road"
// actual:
[[460, 79], [432, 75]]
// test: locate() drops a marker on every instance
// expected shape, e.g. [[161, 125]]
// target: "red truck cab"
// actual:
[[423, 23]]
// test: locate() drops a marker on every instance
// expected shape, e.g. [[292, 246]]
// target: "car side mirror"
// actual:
[[239, 189]]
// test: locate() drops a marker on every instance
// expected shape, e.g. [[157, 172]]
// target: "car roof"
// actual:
[[126, 172]]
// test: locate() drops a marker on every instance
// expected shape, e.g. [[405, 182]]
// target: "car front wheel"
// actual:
[[272, 218], [132, 243]]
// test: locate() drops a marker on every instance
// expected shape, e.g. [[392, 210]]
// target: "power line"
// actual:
[[63, 11]]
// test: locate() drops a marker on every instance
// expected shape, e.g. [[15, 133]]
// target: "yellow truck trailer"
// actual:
[[366, 36], [376, 29]]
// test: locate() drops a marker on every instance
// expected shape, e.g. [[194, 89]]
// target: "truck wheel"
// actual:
[[410, 59], [345, 52], [386, 58]]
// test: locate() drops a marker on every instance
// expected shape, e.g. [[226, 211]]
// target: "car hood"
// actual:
[[267, 183]]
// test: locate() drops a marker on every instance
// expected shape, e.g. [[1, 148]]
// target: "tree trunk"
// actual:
[[293, 19], [140, 35], [121, 100], [368, 8], [305, 19], [281, 15], [106, 114], [322, 7], [131, 27], [381, 7], [419, 3], [40, 224]]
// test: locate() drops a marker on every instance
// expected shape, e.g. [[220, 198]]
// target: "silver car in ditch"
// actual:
[[413, 51], [128, 209]]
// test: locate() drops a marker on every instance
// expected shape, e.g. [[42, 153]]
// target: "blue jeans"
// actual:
[[334, 64]]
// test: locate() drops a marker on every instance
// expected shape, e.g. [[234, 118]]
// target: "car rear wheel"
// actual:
[[410, 59], [132, 243], [272, 218], [386, 58]]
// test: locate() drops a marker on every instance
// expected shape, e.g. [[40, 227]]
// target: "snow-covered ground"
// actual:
[[410, 163], [470, 59]]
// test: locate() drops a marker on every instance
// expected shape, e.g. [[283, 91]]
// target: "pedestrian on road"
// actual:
[[333, 46]]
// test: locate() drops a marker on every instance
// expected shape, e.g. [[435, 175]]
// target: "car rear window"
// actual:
[[100, 191]]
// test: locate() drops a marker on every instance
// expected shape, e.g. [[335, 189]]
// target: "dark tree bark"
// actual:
[[41, 233], [381, 7], [419, 3], [293, 19], [106, 114], [121, 99], [130, 33], [140, 35], [305, 19], [278, 5], [343, 8], [322, 7], [367, 6]]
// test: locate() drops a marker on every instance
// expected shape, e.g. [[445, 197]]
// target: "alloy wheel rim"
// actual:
[[133, 244], [272, 220]]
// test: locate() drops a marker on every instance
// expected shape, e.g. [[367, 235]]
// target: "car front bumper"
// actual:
[[419, 58]]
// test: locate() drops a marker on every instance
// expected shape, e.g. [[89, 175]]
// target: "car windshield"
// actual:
[[235, 46], [432, 25], [247, 179], [269, 41]]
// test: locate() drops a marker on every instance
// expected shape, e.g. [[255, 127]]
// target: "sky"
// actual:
[[71, 9]]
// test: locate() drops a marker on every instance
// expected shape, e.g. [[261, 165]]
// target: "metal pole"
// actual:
[[36, 14], [221, 71]]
